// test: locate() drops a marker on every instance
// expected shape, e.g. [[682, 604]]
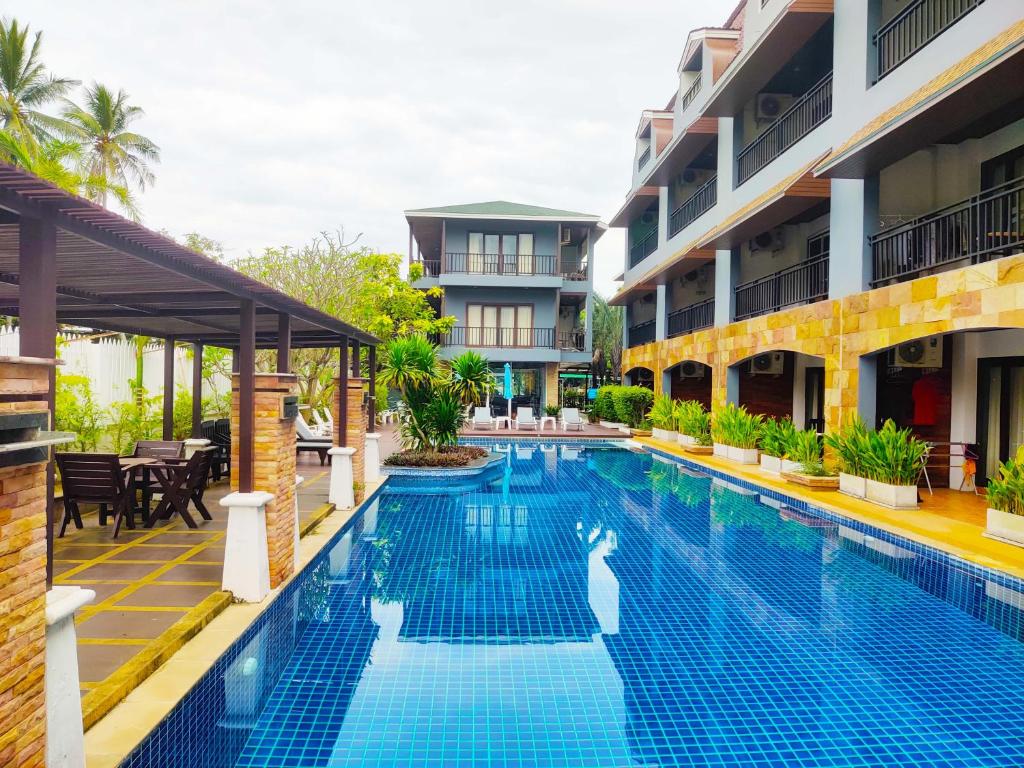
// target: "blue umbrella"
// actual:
[[508, 387]]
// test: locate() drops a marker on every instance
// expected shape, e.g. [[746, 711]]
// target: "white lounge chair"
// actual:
[[525, 418], [571, 419], [308, 441], [328, 420], [319, 427], [482, 418]]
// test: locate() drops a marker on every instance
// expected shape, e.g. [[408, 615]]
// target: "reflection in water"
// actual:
[[592, 607]]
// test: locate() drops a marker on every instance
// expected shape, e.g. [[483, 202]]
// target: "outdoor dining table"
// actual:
[[131, 465]]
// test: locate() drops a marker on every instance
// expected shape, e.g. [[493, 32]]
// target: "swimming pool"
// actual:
[[595, 606]]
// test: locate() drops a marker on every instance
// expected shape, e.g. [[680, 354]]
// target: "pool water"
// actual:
[[602, 607]]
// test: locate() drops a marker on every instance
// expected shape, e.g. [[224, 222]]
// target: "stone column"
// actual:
[[355, 430], [550, 385], [273, 466], [247, 565], [372, 458], [65, 741]]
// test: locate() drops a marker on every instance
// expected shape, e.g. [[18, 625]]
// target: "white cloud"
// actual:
[[279, 120]]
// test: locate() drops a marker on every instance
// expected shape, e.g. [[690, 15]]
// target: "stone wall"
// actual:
[[355, 428], [273, 465]]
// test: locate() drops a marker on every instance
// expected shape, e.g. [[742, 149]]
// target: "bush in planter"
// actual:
[[806, 451], [1006, 491], [632, 405], [604, 404], [778, 437], [694, 421], [850, 447], [734, 426], [894, 456], [663, 413], [551, 410]]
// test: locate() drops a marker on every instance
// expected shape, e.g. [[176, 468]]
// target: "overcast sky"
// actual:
[[277, 120]]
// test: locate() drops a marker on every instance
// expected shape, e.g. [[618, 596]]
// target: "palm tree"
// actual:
[[471, 377], [25, 85], [607, 329], [109, 150]]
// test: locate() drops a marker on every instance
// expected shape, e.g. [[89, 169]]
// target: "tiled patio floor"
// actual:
[[147, 580]]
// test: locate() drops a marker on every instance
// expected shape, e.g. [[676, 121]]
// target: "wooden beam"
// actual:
[[342, 419], [356, 361], [197, 389], [284, 342], [246, 395], [169, 388]]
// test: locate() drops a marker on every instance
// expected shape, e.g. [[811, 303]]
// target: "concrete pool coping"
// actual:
[[114, 736]]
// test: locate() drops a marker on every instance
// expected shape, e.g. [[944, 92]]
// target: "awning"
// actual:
[[639, 200], [988, 83], [683, 149], [754, 68]]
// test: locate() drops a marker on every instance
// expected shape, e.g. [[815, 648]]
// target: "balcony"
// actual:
[[572, 341], [913, 28], [804, 283], [698, 203], [644, 158], [644, 248], [431, 267], [499, 264], [691, 94], [641, 333], [806, 114], [573, 269], [507, 338], [987, 226], [691, 318]]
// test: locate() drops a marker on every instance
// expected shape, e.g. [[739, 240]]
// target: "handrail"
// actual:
[[691, 93], [802, 283], [431, 267], [574, 340], [644, 248], [692, 318], [642, 333], [987, 225], [499, 264], [913, 28], [806, 114], [480, 336], [697, 204]]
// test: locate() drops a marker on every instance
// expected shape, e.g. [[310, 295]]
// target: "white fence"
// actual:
[[109, 363]]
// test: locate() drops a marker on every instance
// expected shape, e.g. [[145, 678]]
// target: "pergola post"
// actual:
[[246, 394], [371, 363], [341, 492], [284, 342], [371, 461], [169, 388], [197, 390], [339, 417]]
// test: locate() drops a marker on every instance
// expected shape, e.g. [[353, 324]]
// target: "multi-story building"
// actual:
[[519, 281], [827, 218]]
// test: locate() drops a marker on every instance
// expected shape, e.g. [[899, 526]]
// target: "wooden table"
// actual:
[[132, 463]]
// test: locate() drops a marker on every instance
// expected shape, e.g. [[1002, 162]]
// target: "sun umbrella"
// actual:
[[508, 388]]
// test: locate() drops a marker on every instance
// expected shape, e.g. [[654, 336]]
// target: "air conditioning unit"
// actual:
[[566, 235], [770, 106], [772, 240], [920, 353], [691, 370], [768, 364], [647, 218]]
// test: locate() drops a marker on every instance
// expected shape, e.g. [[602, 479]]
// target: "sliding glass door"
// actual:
[[1000, 412], [499, 325]]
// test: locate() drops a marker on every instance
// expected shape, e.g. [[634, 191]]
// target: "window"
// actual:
[[499, 325], [817, 246], [493, 254]]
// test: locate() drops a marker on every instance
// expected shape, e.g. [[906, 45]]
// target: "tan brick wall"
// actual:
[[273, 465], [355, 428], [985, 296], [550, 385]]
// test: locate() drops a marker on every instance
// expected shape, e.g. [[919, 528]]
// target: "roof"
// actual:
[[114, 274], [500, 209]]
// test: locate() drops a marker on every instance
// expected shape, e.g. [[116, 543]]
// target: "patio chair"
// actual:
[[148, 484], [94, 478], [571, 419], [482, 418], [525, 418], [220, 464], [306, 441], [182, 481]]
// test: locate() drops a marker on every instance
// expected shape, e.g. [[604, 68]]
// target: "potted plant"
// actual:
[[736, 434], [663, 418], [777, 441], [552, 411], [849, 447], [631, 407], [1005, 519], [893, 464], [810, 469], [693, 423]]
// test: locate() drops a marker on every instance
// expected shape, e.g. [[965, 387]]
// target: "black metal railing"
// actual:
[[462, 336], [644, 157], [914, 27], [690, 210], [691, 93], [986, 226], [572, 269], [691, 318], [801, 284], [806, 114], [644, 248], [574, 340], [499, 264], [431, 267], [642, 333]]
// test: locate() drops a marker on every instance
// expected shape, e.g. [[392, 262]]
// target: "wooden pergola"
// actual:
[[65, 260]]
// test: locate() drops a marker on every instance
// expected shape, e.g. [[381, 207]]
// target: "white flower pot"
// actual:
[[892, 496], [854, 486], [686, 439], [721, 450], [790, 466], [1005, 527], [612, 424], [771, 464], [668, 435], [743, 455], [671, 435]]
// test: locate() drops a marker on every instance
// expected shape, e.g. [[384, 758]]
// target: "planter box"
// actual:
[[612, 424], [854, 486], [1003, 526], [816, 482], [668, 435], [892, 496], [698, 450], [685, 440], [777, 466], [743, 455], [721, 450]]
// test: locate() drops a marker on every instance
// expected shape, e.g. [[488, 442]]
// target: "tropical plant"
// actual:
[[26, 86], [76, 410], [551, 410], [443, 418], [604, 403], [849, 447], [1006, 490], [694, 421], [607, 335], [632, 404], [134, 420], [110, 151], [806, 451], [778, 437], [410, 365], [663, 413], [471, 377], [894, 455], [734, 426]]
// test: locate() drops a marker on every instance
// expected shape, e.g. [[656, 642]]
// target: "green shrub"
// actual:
[[75, 410], [632, 404], [444, 416], [894, 455], [454, 456], [849, 447], [806, 451], [734, 426], [551, 410], [604, 403], [694, 420], [663, 413], [1006, 490], [134, 420], [778, 437]]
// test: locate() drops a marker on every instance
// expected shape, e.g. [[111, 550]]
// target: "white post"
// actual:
[[371, 458], [65, 739], [193, 444], [299, 480], [342, 493], [246, 562]]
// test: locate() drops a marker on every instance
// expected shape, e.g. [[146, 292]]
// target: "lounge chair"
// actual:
[[571, 419], [328, 421], [482, 418], [319, 427], [307, 441], [525, 418]]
